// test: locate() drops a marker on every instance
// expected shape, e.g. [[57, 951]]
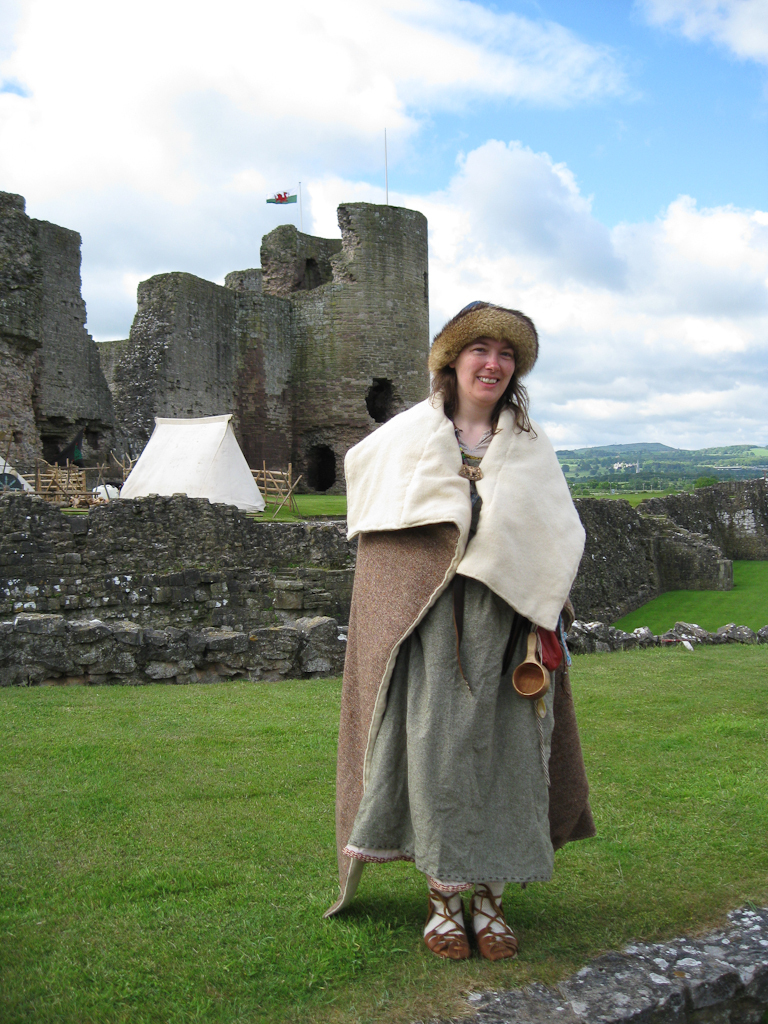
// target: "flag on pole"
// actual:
[[283, 197]]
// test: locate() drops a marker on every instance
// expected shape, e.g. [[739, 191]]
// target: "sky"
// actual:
[[601, 165]]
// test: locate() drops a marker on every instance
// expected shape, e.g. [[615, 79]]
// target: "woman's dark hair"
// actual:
[[515, 398]]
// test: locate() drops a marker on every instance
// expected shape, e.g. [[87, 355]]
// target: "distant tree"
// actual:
[[705, 481], [566, 469]]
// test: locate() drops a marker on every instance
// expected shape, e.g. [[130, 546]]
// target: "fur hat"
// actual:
[[484, 320]]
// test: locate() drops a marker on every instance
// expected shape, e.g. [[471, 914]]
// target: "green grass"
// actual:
[[167, 852], [309, 506], [633, 497], [746, 604]]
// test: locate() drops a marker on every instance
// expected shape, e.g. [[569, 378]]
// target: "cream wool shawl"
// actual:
[[529, 540]]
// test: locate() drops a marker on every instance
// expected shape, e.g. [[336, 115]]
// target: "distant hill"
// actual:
[[641, 447], [653, 460]]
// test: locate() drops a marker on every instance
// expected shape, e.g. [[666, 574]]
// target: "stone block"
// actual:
[[223, 642], [691, 631], [87, 632], [645, 637], [158, 670], [46, 625], [738, 634], [127, 632], [322, 652]]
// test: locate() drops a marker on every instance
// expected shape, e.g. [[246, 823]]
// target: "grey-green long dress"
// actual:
[[457, 781]]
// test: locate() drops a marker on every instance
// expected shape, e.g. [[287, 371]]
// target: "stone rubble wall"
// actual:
[[631, 557], [183, 562], [593, 637], [732, 515], [40, 650], [721, 978], [292, 261], [170, 562], [71, 389], [20, 298], [366, 330]]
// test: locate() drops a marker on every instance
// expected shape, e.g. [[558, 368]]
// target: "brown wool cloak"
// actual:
[[402, 570]]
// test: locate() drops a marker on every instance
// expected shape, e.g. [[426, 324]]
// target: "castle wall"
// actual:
[[293, 262], [50, 373], [23, 444], [20, 298], [362, 340], [262, 398], [71, 389], [311, 352], [732, 515], [170, 561], [630, 557], [181, 357]]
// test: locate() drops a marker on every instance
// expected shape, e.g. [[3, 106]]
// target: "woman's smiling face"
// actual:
[[484, 368]]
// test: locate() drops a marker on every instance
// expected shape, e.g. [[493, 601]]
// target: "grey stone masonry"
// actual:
[[293, 262], [71, 389], [310, 352], [632, 556], [594, 637], [721, 978], [49, 650], [50, 374], [178, 561], [175, 561], [180, 358], [20, 298], [732, 515]]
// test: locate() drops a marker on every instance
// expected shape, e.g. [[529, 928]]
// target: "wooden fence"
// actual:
[[69, 485], [277, 486]]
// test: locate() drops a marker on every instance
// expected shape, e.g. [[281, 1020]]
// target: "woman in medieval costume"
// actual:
[[468, 545]]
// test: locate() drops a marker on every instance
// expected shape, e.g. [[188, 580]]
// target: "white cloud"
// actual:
[[660, 335], [739, 25], [520, 202], [170, 97]]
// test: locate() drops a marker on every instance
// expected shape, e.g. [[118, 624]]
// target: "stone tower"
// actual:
[[51, 380], [311, 352]]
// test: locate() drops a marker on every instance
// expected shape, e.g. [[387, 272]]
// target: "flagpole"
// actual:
[[386, 172], [301, 210]]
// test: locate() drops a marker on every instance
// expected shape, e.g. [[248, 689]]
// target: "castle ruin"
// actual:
[[50, 377], [310, 352]]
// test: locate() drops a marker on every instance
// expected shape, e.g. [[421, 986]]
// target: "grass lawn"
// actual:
[[167, 852], [633, 497], [746, 604], [309, 505]]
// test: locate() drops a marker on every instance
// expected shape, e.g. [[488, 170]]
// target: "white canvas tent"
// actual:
[[197, 457]]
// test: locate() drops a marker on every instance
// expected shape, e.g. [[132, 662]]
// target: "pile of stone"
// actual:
[[590, 637], [50, 649], [718, 978]]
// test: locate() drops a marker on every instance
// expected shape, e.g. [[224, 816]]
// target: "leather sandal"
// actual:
[[452, 943], [493, 945]]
